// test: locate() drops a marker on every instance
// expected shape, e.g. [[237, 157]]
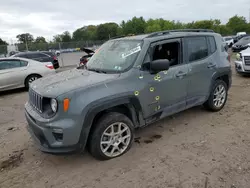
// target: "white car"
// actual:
[[20, 72], [241, 33], [242, 63], [229, 40]]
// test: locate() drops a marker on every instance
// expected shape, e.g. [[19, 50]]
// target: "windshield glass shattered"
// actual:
[[115, 56]]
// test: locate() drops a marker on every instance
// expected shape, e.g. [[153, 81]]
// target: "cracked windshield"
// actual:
[[115, 55]]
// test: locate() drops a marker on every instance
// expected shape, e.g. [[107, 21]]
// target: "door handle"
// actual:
[[211, 65], [181, 74]]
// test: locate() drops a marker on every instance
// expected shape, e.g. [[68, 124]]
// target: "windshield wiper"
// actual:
[[98, 71]]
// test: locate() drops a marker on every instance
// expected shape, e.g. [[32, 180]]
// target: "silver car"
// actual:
[[20, 72]]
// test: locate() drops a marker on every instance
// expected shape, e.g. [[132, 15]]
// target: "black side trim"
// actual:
[[225, 72]]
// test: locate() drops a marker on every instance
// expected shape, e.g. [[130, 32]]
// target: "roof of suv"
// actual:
[[170, 34]]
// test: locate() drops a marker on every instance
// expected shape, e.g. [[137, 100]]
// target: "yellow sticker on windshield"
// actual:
[[131, 52]]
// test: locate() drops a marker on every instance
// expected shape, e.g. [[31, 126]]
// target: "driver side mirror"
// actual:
[[159, 65]]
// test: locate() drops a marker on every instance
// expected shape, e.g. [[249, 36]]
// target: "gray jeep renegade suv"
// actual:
[[129, 83]]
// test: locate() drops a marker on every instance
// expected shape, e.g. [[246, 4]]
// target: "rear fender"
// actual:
[[227, 72]]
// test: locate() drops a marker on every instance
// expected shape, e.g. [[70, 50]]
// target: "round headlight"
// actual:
[[53, 104]]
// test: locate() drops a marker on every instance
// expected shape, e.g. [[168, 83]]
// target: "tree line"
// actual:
[[137, 25]]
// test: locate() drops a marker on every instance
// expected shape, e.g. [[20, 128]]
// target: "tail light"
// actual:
[[83, 61], [49, 66]]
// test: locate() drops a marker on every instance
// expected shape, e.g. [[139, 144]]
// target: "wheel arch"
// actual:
[[225, 75], [129, 106]]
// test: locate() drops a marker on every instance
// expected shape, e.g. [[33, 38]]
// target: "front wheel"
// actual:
[[218, 96], [112, 136]]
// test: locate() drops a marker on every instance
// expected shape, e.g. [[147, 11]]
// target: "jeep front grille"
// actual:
[[36, 100], [247, 60]]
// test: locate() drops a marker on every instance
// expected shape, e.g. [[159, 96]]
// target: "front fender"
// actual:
[[92, 109]]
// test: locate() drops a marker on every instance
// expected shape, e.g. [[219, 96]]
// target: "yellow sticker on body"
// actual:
[[157, 108], [157, 98], [136, 93], [152, 89]]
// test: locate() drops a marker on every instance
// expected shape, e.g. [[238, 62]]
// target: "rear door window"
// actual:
[[197, 48], [9, 64]]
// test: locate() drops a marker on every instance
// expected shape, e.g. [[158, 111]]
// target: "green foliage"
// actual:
[[2, 42], [237, 24], [85, 33], [25, 37], [64, 37], [57, 38], [106, 31], [136, 25], [40, 40]]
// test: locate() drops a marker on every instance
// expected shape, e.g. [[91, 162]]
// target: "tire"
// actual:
[[104, 125], [216, 105], [30, 79]]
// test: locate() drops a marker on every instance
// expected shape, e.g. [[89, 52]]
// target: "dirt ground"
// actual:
[[193, 149]]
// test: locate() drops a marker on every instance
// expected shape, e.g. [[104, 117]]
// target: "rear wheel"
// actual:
[[31, 79], [112, 136], [218, 96]]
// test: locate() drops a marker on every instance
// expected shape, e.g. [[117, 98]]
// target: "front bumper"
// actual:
[[239, 67], [47, 139]]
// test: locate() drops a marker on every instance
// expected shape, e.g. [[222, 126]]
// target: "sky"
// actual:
[[50, 17]]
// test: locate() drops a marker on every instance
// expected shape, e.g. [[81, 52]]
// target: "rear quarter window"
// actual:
[[212, 44], [23, 63]]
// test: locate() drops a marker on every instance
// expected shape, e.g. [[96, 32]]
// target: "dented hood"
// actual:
[[60, 83]]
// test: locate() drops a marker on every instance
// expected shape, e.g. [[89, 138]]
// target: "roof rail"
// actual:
[[178, 30]]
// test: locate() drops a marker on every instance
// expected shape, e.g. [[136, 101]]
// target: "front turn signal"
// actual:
[[65, 105]]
